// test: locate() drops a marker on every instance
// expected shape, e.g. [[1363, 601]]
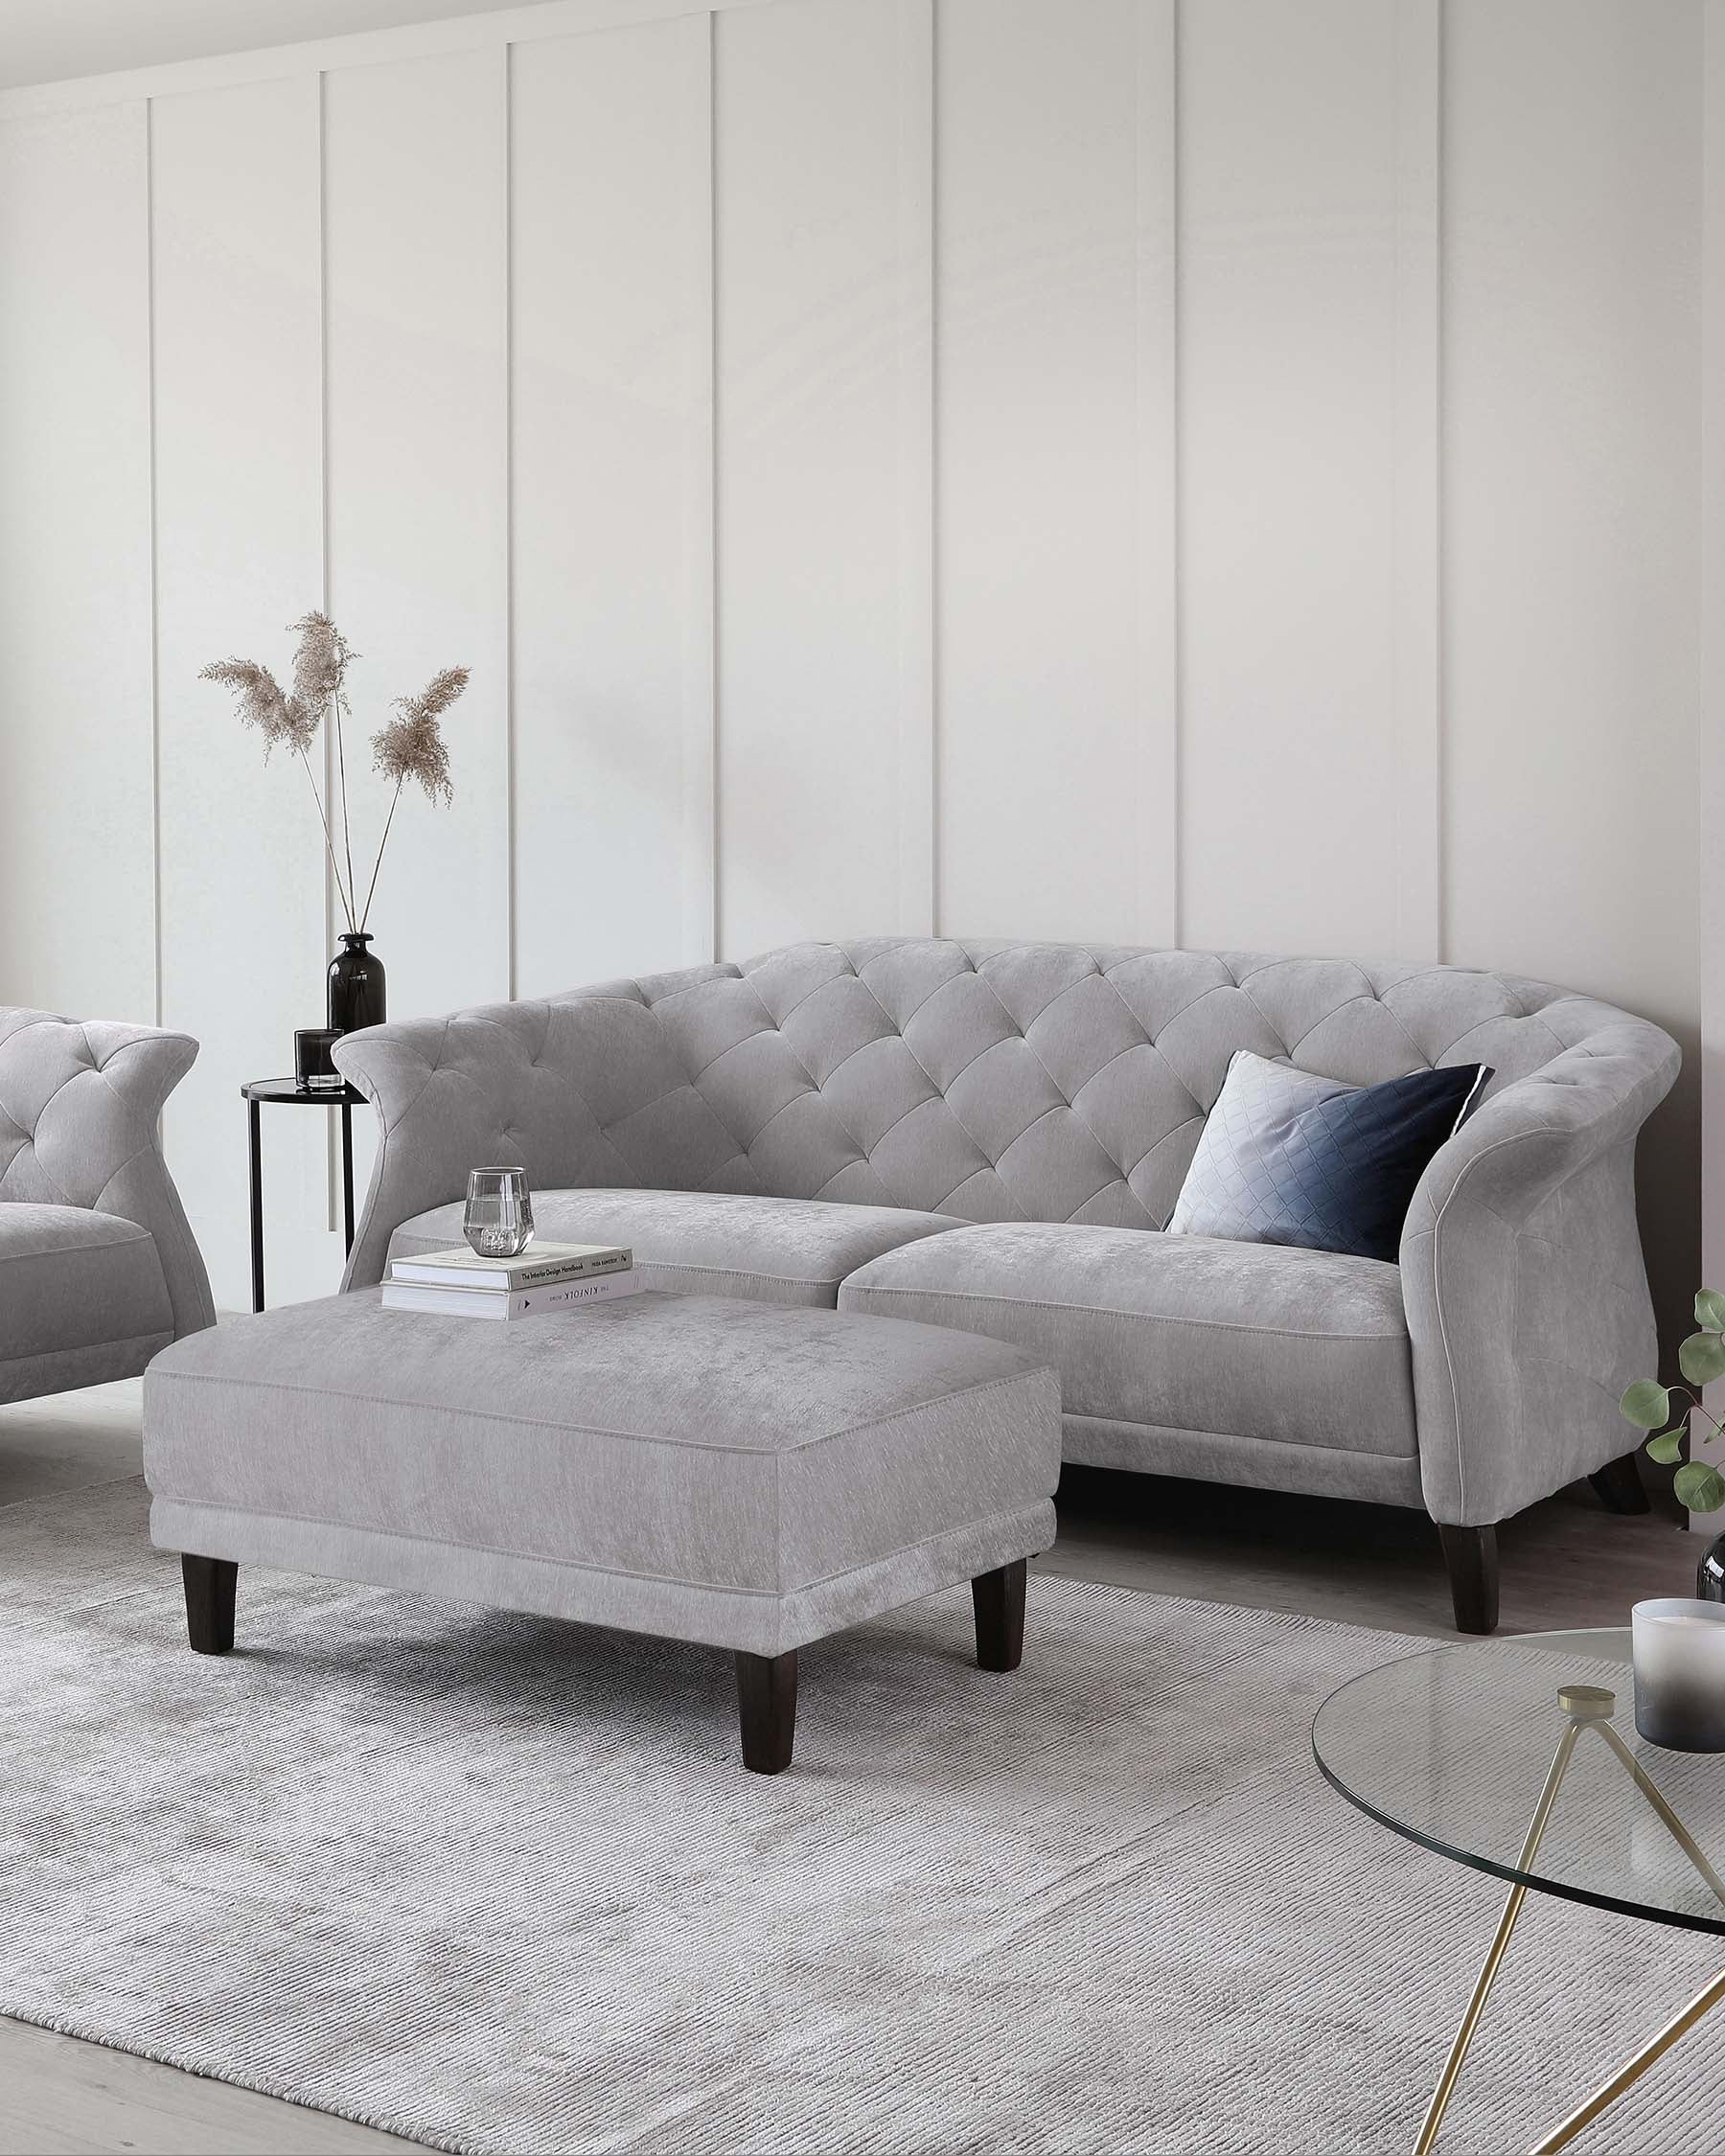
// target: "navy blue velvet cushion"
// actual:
[[1290, 1158]]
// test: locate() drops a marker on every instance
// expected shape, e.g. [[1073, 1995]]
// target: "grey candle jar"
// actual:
[[1679, 1656]]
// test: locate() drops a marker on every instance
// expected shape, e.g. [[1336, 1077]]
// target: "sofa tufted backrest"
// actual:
[[79, 1107], [990, 1081]]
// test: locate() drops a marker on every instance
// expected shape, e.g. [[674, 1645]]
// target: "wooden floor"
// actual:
[[1566, 1563]]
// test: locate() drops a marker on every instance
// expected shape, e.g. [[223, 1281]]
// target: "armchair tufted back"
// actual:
[[80, 1103], [992, 1081]]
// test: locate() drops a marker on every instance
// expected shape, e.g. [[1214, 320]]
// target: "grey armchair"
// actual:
[[98, 1264]]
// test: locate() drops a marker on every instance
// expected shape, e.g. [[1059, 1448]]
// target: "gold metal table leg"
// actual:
[[1649, 1789], [1585, 1706], [1481, 1990], [1627, 2076]]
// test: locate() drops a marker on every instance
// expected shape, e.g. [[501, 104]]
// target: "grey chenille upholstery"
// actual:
[[1169, 1343], [1067, 1085], [98, 1266], [708, 1468], [708, 1243]]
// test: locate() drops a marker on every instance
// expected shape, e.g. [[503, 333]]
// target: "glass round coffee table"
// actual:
[[1519, 1758]]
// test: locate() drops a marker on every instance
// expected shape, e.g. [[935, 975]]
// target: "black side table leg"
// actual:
[[347, 1172], [257, 1204]]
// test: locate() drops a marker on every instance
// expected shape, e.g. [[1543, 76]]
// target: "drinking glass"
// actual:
[[498, 1220]]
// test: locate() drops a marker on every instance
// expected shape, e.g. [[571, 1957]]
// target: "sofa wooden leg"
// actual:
[[209, 1584], [766, 1711], [1471, 1555], [1619, 1485], [997, 1599]]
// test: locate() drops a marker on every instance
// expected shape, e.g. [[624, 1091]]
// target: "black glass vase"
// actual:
[[355, 986], [1710, 1573]]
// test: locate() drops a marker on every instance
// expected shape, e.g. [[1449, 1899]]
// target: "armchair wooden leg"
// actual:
[[1619, 1485], [1471, 1555], [209, 1584]]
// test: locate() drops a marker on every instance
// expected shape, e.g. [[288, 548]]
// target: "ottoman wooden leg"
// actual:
[[998, 1600], [209, 1584], [766, 1710]]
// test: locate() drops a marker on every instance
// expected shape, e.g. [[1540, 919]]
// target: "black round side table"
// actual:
[[289, 1092]]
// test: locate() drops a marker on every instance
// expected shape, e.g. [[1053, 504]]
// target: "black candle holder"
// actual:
[[313, 1069]]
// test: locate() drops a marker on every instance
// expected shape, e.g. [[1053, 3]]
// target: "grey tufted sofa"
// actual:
[[98, 1266], [992, 1136]]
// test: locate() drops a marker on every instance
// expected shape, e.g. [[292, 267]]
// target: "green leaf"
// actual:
[[1702, 1357], [1702, 1489], [1709, 1310], [1646, 1405], [1666, 1449]]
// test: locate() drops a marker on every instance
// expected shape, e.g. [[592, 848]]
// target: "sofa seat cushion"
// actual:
[[1178, 1332], [71, 1278], [711, 1242]]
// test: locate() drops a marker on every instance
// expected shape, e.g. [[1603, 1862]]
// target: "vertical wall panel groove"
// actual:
[[715, 481], [1177, 481], [328, 736], [915, 457], [510, 815], [156, 612], [331, 1131], [701, 659], [936, 900], [1415, 595], [1157, 715]]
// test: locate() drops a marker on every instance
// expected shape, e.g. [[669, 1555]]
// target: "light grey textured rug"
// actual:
[[500, 1884]]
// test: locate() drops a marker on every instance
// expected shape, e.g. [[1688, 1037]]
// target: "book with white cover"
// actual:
[[536, 1267], [530, 1303]]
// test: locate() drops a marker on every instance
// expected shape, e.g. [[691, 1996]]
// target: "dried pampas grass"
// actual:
[[412, 746], [284, 722], [321, 662], [409, 749]]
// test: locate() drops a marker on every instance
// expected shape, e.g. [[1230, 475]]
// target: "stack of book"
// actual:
[[545, 1277]]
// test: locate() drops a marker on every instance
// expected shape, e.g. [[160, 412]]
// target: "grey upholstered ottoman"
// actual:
[[743, 1474]]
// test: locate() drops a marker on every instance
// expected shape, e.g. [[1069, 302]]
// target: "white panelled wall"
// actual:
[[1142, 470]]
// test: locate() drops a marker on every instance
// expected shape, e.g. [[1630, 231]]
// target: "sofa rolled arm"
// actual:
[[80, 1104], [582, 1090], [1523, 1277]]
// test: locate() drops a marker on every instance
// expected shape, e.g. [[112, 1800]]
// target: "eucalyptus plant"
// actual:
[[1651, 1406]]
